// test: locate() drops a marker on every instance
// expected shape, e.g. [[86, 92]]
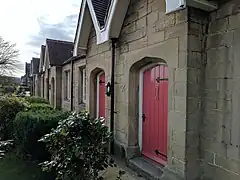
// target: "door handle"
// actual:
[[143, 117], [157, 152]]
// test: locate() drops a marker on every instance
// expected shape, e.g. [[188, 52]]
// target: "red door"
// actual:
[[155, 113], [101, 96]]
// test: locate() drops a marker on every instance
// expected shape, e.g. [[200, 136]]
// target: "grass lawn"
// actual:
[[12, 168]]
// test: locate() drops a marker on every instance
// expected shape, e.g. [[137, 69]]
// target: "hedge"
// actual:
[[9, 107], [36, 99], [40, 106], [30, 126]]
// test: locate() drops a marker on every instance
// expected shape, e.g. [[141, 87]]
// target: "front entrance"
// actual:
[[101, 95], [53, 92], [154, 112]]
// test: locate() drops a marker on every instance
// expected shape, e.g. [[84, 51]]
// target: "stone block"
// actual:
[[183, 43], [142, 12], [130, 28], [130, 18], [195, 60], [159, 26], [214, 172], [141, 23], [179, 166], [180, 89], [152, 18], [181, 16], [181, 75], [232, 152], [135, 35], [176, 31], [194, 90], [156, 37], [194, 43], [180, 104], [178, 138], [182, 60], [207, 156], [138, 44], [170, 20], [210, 145], [219, 25], [178, 151], [218, 40], [193, 121], [194, 75], [177, 121], [225, 10], [193, 105], [195, 29], [228, 164], [214, 132]]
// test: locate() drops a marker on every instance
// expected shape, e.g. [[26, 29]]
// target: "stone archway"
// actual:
[[133, 106], [93, 91]]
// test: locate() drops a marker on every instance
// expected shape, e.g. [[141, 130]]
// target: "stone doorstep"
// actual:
[[152, 170], [146, 168]]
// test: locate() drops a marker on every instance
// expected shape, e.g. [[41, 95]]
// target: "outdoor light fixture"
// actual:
[[108, 89]]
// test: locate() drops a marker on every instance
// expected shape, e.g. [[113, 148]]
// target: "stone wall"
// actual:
[[147, 36], [66, 103], [55, 82], [220, 127], [77, 100]]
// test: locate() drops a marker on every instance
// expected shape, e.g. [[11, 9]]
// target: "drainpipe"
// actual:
[[71, 84], [112, 92]]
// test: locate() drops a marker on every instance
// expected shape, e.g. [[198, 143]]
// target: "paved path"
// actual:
[[112, 173]]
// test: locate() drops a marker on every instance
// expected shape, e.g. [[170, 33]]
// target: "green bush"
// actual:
[[36, 99], [30, 126], [78, 147], [38, 107], [9, 107]]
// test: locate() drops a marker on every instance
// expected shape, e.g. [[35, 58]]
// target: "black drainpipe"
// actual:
[[112, 92], [71, 84]]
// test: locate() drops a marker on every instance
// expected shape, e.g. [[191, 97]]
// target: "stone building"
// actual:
[[56, 52], [41, 70], [176, 83], [34, 73]]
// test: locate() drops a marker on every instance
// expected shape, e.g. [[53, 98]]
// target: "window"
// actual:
[[66, 85], [82, 86]]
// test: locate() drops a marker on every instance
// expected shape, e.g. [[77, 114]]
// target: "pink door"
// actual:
[[155, 113], [101, 100]]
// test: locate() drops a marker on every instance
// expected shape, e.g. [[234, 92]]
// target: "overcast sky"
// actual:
[[29, 22]]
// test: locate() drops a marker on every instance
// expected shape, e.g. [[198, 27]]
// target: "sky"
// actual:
[[29, 22]]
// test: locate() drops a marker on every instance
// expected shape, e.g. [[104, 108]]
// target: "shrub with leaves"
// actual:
[[36, 99], [40, 106], [30, 126], [79, 148], [4, 147], [9, 107]]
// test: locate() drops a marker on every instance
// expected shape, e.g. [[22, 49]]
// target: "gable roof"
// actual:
[[58, 51], [101, 8], [27, 68], [35, 65], [42, 57], [107, 17]]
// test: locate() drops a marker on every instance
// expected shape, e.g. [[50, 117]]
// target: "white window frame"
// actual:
[[82, 94], [66, 85]]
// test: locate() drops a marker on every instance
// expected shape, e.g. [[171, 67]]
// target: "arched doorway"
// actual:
[[153, 111], [100, 94], [47, 88], [53, 92]]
